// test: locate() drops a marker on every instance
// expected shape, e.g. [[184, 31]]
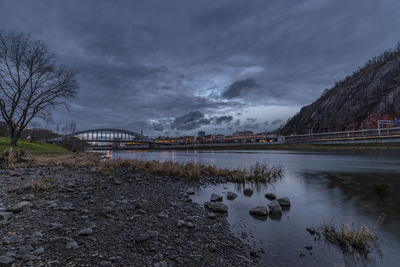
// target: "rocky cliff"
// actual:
[[358, 101]]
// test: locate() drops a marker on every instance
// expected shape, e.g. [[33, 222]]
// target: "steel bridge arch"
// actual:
[[125, 135]]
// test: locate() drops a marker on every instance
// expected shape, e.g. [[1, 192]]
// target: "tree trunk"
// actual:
[[14, 134]]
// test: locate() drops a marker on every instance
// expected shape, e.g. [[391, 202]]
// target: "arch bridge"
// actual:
[[111, 135]]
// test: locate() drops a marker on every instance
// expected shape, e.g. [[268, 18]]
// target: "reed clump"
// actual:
[[191, 171], [351, 237]]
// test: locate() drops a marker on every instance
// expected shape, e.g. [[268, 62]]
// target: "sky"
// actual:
[[177, 67]]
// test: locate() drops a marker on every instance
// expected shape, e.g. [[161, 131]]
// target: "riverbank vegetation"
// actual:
[[34, 148], [263, 173], [350, 237]]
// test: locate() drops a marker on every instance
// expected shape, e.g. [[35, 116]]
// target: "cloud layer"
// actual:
[[175, 67]]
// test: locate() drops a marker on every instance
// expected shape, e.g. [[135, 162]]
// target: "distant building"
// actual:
[[242, 133], [200, 135], [186, 139]]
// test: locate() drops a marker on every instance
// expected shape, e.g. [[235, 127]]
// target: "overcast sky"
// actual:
[[177, 67]]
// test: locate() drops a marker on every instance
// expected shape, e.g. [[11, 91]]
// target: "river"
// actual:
[[323, 186]]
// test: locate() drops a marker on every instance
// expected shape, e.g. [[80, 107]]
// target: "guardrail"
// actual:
[[315, 137]]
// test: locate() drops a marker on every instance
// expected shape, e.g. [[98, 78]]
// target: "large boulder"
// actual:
[[216, 207], [275, 208], [230, 195], [259, 211], [215, 198], [284, 202]]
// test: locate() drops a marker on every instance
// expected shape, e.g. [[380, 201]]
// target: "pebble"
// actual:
[[38, 251], [180, 223], [72, 245], [20, 206], [86, 231]]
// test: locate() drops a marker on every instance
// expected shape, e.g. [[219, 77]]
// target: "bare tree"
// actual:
[[31, 83], [69, 128]]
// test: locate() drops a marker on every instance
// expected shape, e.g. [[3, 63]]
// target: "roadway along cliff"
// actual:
[[358, 101]]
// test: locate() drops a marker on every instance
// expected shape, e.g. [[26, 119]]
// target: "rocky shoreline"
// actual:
[[70, 216]]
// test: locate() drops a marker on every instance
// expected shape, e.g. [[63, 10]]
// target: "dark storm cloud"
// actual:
[[239, 88], [143, 64], [190, 121], [222, 119], [276, 121]]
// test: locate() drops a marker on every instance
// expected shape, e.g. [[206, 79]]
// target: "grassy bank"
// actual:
[[35, 148]]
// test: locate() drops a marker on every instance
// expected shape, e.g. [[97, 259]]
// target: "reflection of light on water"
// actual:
[[109, 154]]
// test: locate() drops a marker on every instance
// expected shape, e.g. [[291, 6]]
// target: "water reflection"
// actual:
[[322, 186]]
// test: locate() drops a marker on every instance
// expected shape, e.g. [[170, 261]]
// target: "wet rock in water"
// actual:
[[270, 196], [248, 192], [20, 206], [6, 261], [275, 208], [284, 202], [215, 198], [190, 192], [230, 195], [216, 207], [259, 211], [86, 231]]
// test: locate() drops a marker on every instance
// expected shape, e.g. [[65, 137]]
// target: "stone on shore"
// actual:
[[6, 261], [216, 207], [270, 196], [248, 192], [4, 215], [215, 198], [20, 206], [190, 192], [259, 211], [274, 208], [86, 231], [230, 195], [284, 202]]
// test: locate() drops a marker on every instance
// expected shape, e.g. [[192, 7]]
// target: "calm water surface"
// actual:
[[322, 186]]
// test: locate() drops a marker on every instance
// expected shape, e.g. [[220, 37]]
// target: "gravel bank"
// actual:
[[75, 216]]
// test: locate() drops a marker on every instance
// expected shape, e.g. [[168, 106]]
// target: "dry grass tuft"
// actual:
[[351, 237], [191, 171], [39, 185], [263, 173]]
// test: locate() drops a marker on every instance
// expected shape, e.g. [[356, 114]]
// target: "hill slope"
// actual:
[[370, 94]]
